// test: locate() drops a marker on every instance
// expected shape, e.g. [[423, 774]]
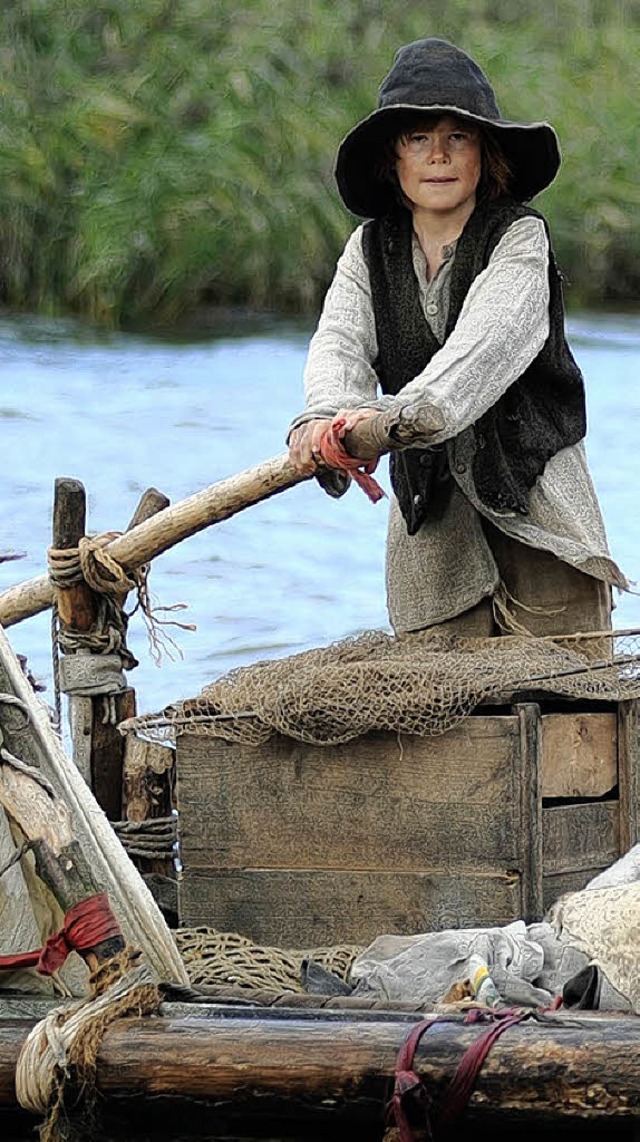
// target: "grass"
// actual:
[[167, 154]]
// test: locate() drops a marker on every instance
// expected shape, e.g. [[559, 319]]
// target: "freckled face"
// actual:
[[439, 166]]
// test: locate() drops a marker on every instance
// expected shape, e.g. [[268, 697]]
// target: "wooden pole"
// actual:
[[46, 821], [179, 521], [107, 744], [98, 748], [244, 1070]]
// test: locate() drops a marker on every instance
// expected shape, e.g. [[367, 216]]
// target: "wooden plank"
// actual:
[[530, 804], [581, 836], [629, 773], [107, 751], [380, 802], [579, 754], [288, 908]]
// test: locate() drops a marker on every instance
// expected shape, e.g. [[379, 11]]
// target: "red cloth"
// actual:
[[87, 924], [335, 455]]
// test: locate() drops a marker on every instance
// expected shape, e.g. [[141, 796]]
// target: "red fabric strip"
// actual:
[[87, 924], [335, 455]]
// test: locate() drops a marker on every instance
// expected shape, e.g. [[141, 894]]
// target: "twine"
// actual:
[[91, 563], [61, 1050]]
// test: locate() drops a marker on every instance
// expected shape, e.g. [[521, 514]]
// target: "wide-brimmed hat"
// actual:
[[433, 76]]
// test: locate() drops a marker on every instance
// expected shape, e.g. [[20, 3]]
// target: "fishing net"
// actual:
[[213, 958], [418, 683]]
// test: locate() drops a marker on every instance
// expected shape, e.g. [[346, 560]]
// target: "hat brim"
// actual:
[[532, 151]]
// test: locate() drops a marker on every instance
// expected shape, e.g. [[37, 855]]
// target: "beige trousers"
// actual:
[[538, 595]]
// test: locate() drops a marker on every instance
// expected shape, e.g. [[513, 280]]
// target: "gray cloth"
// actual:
[[448, 567], [528, 964]]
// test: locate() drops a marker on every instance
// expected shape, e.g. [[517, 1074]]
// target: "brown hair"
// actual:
[[495, 178]]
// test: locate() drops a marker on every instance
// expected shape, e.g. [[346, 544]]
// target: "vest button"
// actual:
[[417, 500], [432, 308], [460, 467]]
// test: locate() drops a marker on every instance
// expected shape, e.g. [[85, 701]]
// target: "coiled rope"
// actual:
[[60, 1053]]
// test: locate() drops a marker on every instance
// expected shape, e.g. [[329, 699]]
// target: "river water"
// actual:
[[123, 412]]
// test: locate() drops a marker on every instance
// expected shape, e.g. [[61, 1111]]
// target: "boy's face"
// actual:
[[439, 165]]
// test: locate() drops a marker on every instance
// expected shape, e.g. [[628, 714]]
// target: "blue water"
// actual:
[[124, 412]]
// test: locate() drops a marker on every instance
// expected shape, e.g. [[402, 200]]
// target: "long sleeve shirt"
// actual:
[[448, 565]]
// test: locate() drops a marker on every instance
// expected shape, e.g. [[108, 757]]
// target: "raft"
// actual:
[[476, 805]]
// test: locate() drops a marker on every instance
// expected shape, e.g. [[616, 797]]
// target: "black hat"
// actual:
[[435, 76]]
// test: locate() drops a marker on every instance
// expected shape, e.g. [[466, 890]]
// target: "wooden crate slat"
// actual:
[[579, 754], [292, 909], [369, 804]]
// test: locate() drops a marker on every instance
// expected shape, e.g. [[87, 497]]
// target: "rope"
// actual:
[[62, 1049], [506, 620], [335, 455], [91, 563], [153, 839]]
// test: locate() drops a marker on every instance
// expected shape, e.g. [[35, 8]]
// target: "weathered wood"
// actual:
[[80, 724], [150, 503], [107, 752], [585, 835], [60, 864], [298, 844], [530, 803], [580, 841], [34, 741], [378, 803], [285, 841], [148, 777], [76, 603], [628, 717], [148, 782], [579, 754], [334, 1068], [289, 908]]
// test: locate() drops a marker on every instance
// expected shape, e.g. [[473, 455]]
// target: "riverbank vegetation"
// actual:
[[164, 155]]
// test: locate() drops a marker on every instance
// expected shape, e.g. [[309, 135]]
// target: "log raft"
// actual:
[[230, 1069]]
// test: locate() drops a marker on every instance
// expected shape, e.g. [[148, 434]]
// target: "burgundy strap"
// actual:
[[461, 1086], [409, 1088]]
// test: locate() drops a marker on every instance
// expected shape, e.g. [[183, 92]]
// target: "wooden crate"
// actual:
[[297, 845]]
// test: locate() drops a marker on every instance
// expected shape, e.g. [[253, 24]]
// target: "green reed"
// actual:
[[163, 155]]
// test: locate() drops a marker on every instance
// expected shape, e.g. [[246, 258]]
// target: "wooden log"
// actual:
[[177, 522], [337, 1067], [77, 607]]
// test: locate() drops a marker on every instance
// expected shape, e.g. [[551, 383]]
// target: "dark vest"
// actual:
[[542, 412]]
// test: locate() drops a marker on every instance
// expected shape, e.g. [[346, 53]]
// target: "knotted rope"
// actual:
[[89, 562], [61, 1050], [98, 670]]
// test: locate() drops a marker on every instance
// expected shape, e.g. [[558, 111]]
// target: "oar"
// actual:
[[178, 521]]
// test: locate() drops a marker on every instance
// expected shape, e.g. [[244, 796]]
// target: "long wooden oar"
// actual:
[[178, 521]]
